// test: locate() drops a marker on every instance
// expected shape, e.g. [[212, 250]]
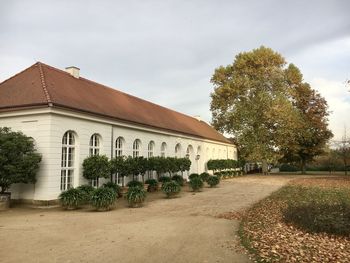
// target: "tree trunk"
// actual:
[[265, 168], [303, 166]]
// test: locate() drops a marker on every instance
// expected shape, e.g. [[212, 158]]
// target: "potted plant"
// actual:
[[103, 198], [116, 188], [19, 162], [87, 191], [136, 196], [171, 188], [152, 185], [213, 181], [196, 183], [72, 198]]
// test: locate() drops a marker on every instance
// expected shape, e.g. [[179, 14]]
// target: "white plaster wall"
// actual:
[[48, 129]]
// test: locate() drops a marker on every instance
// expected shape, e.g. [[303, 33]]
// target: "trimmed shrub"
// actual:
[[103, 198], [213, 181], [134, 184], [87, 190], [116, 188], [152, 185], [171, 188], [192, 176], [179, 179], [196, 183], [164, 179], [72, 198], [204, 176], [135, 196]]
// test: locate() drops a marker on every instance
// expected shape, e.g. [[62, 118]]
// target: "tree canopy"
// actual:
[[19, 160], [260, 100]]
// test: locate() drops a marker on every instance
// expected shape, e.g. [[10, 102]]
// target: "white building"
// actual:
[[71, 117]]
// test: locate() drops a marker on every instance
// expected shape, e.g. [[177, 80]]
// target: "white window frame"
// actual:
[[163, 149], [151, 147], [136, 148], [67, 160], [178, 150], [119, 145], [94, 146]]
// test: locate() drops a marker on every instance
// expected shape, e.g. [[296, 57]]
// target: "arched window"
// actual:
[[150, 149], [198, 156], [136, 148], [119, 144], [163, 149], [189, 151], [67, 160], [178, 150], [94, 145]]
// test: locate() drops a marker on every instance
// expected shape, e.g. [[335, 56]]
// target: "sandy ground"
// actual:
[[182, 229]]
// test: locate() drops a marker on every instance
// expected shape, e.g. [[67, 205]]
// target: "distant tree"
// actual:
[[312, 134], [252, 101], [19, 161], [96, 167]]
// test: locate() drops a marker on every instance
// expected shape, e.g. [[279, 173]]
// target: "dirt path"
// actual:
[[183, 229]]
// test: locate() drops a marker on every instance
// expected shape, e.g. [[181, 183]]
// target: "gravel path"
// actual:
[[182, 229]]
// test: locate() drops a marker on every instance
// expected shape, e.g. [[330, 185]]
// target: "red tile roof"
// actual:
[[44, 86]]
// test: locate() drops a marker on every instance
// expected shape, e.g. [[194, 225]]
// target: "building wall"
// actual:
[[48, 127]]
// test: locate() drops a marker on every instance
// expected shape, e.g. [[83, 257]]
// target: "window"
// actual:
[[163, 149], [189, 151], [136, 148], [94, 145], [67, 160], [150, 149], [178, 150], [119, 144], [94, 149]]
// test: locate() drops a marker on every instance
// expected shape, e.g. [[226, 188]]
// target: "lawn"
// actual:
[[306, 221]]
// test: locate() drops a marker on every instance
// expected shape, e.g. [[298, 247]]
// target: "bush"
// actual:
[[103, 198], [204, 176], [213, 181], [164, 179], [135, 196], [134, 184], [116, 188], [288, 168], [72, 198], [179, 179], [192, 176], [87, 191], [171, 188], [196, 183], [152, 185]]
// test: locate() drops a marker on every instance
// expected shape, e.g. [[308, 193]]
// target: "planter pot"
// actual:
[[124, 190], [5, 199], [145, 186]]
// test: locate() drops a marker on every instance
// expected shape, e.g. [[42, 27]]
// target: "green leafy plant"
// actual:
[[213, 181], [171, 188], [103, 198], [135, 196], [196, 183], [87, 191], [116, 188], [95, 167], [19, 161], [134, 184], [152, 185], [192, 176], [204, 176], [164, 179], [72, 198], [179, 179]]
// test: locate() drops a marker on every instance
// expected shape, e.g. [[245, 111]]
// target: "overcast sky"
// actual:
[[166, 51]]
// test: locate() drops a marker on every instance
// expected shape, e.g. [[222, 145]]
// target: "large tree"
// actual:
[[311, 138], [266, 105], [252, 102]]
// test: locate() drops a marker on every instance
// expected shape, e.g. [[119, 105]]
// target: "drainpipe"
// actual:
[[112, 136]]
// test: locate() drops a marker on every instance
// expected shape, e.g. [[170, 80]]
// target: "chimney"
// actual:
[[197, 117], [74, 71]]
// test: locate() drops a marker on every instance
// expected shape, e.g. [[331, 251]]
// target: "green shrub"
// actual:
[[116, 188], [171, 188], [204, 176], [135, 196], [152, 185], [164, 179], [196, 183], [194, 175], [179, 179], [72, 198], [87, 190], [213, 181], [134, 184], [103, 198]]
